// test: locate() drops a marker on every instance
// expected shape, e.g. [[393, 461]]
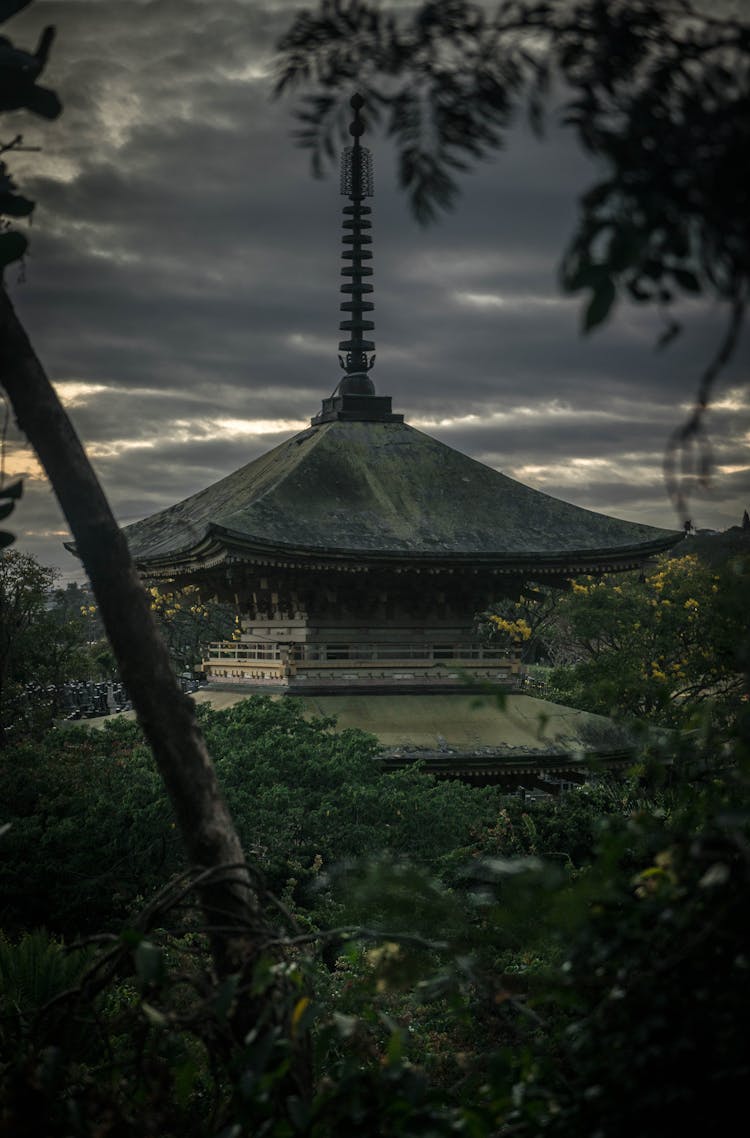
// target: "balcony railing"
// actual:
[[363, 653]]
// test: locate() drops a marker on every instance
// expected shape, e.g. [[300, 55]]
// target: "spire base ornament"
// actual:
[[361, 408]]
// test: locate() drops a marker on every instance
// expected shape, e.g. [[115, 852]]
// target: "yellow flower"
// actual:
[[516, 628]]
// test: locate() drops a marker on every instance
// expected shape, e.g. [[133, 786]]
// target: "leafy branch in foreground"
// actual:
[[19, 72], [609, 998], [658, 92]]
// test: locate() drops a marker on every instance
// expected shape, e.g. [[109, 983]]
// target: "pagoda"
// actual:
[[359, 552]]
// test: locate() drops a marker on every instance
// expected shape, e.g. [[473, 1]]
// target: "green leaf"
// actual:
[[225, 997], [637, 292], [14, 490], [653, 269], [586, 275], [131, 938], [687, 280], [499, 867], [42, 102], [12, 247], [184, 1081], [345, 1025], [298, 1112], [598, 307], [672, 330], [9, 8], [263, 975], [149, 963], [598, 193], [625, 246], [15, 205], [154, 1016], [395, 1047]]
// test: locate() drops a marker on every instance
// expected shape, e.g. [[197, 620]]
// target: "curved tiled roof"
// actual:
[[373, 490]]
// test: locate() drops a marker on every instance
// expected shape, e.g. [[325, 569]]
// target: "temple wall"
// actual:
[[357, 631]]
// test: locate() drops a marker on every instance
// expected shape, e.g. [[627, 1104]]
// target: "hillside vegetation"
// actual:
[[459, 961]]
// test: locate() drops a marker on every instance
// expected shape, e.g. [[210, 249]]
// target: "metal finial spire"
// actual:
[[356, 184], [354, 399]]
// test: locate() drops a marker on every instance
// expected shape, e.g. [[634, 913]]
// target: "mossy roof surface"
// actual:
[[380, 488]]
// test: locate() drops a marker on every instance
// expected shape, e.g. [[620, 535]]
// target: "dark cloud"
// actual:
[[183, 286]]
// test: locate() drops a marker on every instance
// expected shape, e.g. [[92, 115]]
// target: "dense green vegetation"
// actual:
[[44, 640], [661, 645], [459, 960], [50, 636], [464, 961], [303, 798]]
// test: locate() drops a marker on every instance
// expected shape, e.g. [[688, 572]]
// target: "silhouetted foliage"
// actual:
[[605, 993], [19, 89], [658, 92], [9, 495]]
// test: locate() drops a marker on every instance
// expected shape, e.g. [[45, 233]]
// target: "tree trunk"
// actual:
[[164, 712]]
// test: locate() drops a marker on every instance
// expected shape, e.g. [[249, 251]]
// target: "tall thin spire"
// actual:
[[354, 397], [356, 184]]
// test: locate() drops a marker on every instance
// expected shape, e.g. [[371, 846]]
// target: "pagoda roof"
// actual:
[[344, 493]]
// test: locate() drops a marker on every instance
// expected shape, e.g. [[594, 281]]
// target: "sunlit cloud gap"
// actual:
[[303, 342], [185, 432], [255, 72], [487, 265], [524, 301], [22, 463], [120, 111], [734, 400], [580, 472], [511, 415], [258, 426], [76, 393]]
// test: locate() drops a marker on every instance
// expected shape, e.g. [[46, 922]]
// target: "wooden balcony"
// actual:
[[378, 666]]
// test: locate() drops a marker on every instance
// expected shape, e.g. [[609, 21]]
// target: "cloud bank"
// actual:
[[182, 288]]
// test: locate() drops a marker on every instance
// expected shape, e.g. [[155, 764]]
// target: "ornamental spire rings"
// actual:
[[356, 184]]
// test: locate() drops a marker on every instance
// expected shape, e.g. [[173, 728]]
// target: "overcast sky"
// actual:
[[182, 287]]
